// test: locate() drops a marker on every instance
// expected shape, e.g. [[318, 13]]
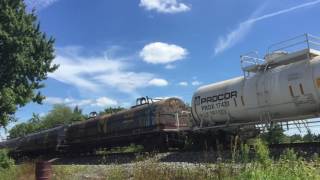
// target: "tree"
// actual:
[[77, 115], [111, 110], [309, 137], [296, 138], [22, 129], [317, 138], [59, 115], [26, 56], [274, 135]]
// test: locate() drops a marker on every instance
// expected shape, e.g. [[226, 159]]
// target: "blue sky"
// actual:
[[111, 52]]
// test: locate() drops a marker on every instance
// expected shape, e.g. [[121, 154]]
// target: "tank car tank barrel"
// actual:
[[284, 87]]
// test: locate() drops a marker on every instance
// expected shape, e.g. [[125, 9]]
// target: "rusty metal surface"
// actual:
[[43, 170], [146, 118], [149, 119], [42, 140]]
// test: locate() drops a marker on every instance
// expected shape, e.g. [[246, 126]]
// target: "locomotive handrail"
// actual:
[[144, 100]]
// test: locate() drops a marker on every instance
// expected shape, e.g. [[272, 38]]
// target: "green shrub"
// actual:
[[133, 148], [262, 152], [244, 156], [289, 155], [5, 161], [281, 170], [17, 172]]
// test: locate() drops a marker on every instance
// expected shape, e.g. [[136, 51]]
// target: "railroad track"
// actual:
[[305, 149]]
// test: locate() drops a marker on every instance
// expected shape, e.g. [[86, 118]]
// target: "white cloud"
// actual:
[[99, 102], [77, 70], [170, 66], [233, 37], [183, 83], [54, 100], [167, 97], [162, 53], [97, 73], [158, 82], [164, 6], [126, 81], [39, 4], [196, 83], [104, 101]]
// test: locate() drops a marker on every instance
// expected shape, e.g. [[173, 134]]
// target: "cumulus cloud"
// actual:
[[98, 72], [162, 53], [126, 81], [164, 6], [104, 101], [158, 82], [99, 102], [167, 97], [234, 36], [54, 100], [39, 4], [183, 83], [196, 83], [170, 66]]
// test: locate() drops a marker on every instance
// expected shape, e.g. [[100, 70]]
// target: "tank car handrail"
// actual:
[[304, 39], [313, 36], [290, 39], [315, 43], [252, 61], [291, 45], [256, 60]]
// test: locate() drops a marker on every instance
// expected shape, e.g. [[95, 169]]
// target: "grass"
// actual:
[[283, 169], [242, 167], [18, 172], [125, 149]]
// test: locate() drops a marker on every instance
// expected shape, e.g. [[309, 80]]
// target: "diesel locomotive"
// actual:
[[156, 125]]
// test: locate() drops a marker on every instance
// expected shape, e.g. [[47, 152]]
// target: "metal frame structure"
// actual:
[[289, 50]]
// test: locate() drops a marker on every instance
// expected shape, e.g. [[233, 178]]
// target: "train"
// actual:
[[283, 86], [155, 124]]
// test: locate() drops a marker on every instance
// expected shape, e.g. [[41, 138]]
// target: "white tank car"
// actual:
[[283, 86]]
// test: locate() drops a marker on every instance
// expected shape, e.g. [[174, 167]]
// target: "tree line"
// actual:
[[59, 115], [276, 135]]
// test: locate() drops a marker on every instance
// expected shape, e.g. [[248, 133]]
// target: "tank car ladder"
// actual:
[[265, 121]]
